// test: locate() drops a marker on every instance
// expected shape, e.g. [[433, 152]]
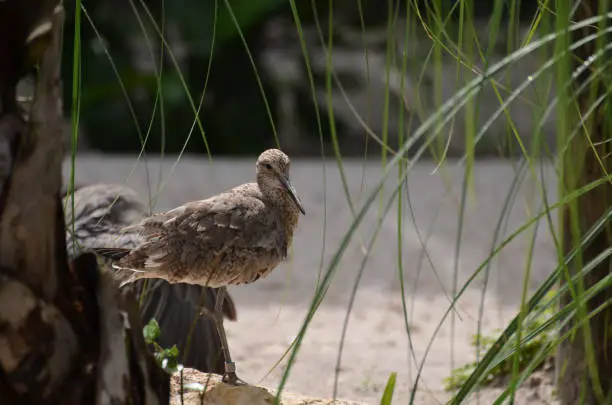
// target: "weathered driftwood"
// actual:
[[208, 388], [67, 336]]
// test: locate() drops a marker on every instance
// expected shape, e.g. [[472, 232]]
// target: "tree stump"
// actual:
[[67, 335]]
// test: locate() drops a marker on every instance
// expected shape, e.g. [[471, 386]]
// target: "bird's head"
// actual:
[[273, 176]]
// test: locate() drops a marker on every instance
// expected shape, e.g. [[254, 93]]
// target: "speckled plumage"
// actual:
[[100, 211], [235, 237]]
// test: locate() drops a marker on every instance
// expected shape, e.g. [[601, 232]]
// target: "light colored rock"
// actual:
[[204, 388]]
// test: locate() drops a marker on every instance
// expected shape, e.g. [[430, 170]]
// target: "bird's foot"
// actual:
[[230, 376], [232, 379]]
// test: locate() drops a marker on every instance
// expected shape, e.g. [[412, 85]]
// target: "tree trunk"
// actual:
[[578, 382], [67, 335]]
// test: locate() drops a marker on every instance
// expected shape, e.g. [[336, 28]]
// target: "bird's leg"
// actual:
[[230, 367]]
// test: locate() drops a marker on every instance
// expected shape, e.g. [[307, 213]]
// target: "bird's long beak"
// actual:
[[287, 184]]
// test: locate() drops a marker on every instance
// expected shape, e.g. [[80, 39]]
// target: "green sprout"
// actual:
[[528, 350], [167, 358]]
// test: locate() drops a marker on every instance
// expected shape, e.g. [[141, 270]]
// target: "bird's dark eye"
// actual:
[[268, 166]]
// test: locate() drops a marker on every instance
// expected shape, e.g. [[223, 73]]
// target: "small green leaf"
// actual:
[[151, 331], [171, 365], [389, 388], [172, 352]]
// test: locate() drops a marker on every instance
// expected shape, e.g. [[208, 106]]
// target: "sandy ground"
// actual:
[[271, 311]]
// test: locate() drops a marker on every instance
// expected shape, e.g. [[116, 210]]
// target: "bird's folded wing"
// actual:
[[216, 223]]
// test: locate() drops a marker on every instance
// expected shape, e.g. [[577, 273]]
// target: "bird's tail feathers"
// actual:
[[112, 253], [134, 228], [126, 275], [129, 280], [117, 267]]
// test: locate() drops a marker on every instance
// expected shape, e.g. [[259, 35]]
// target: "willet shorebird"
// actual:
[[232, 238], [100, 211]]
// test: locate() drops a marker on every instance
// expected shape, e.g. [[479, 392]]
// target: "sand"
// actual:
[[272, 311]]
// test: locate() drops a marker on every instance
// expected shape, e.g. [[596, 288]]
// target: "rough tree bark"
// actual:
[[575, 382], [67, 335]]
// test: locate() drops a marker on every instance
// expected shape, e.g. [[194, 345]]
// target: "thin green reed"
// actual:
[[76, 104]]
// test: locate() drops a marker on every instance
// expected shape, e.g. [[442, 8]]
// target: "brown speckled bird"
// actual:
[[100, 212], [232, 238]]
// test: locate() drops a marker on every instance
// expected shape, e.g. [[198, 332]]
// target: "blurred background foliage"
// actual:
[[233, 113]]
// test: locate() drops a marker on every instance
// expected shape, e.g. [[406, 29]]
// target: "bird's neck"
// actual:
[[289, 224], [289, 213], [292, 217]]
